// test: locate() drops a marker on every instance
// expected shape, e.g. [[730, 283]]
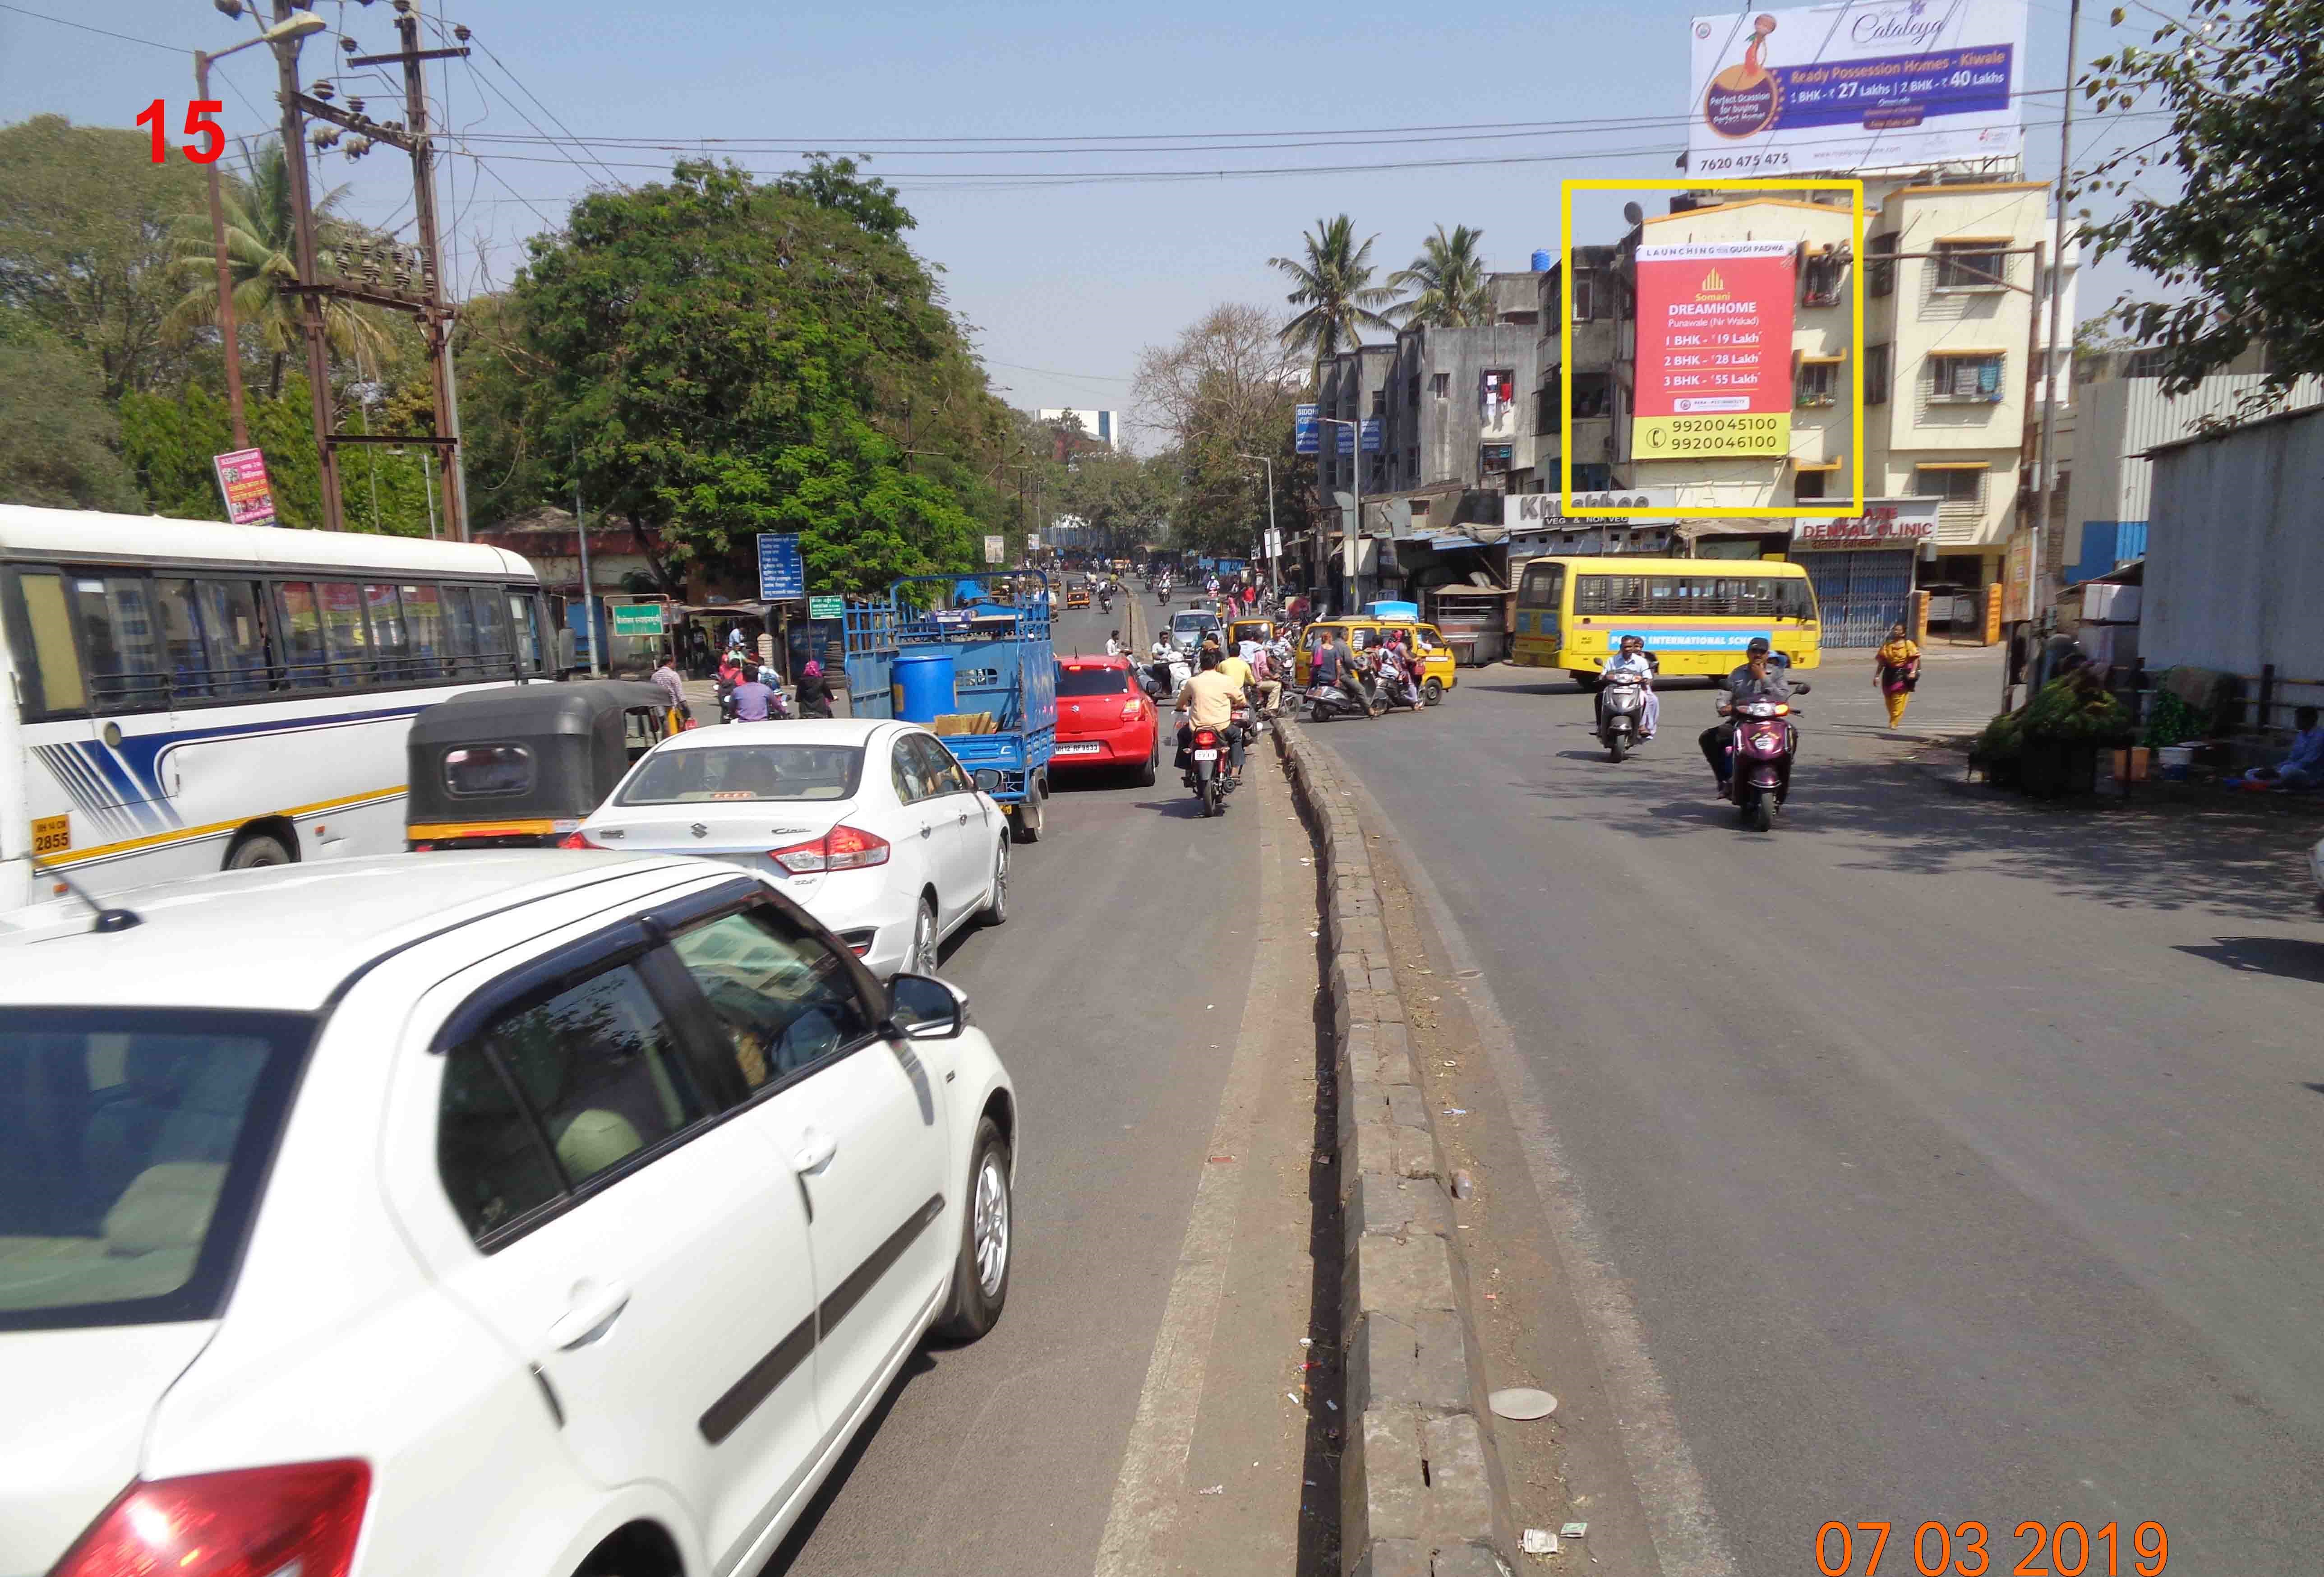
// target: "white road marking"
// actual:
[[1679, 1518], [1145, 1496]]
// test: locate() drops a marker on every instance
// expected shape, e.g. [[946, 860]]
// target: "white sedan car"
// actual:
[[504, 1215], [870, 826]]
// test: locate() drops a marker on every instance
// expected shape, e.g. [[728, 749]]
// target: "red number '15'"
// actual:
[[197, 124]]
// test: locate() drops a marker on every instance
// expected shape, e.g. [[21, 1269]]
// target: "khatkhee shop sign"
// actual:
[[1714, 350], [1885, 522]]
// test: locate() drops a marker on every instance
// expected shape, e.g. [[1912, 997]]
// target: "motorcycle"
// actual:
[[1760, 749], [1162, 593], [1622, 713], [1105, 602], [1206, 770], [1393, 687]]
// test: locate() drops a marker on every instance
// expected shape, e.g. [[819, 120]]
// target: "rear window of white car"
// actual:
[[132, 1145], [744, 773]]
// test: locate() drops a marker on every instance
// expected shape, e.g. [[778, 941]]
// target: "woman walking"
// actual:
[[814, 691], [1897, 666]]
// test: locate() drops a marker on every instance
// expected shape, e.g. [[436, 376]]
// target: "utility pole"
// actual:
[[1274, 543], [2057, 307], [588, 598], [382, 275], [1351, 548]]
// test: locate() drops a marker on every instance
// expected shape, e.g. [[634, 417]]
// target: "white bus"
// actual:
[[183, 696]]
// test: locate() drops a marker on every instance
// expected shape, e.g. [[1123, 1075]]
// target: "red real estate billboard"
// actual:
[[1714, 368]]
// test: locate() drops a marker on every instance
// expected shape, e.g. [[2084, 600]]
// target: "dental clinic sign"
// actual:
[[1864, 84], [1885, 524]]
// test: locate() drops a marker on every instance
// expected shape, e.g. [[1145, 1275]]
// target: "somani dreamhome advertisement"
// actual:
[[1873, 84], [1714, 350]]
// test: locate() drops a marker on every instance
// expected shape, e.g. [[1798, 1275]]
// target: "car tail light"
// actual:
[[574, 841], [843, 848], [1132, 710], [257, 1522]]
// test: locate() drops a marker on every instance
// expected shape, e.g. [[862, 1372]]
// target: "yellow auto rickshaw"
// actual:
[[1438, 670]]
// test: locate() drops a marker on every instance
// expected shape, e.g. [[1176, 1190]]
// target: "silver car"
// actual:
[[1188, 628]]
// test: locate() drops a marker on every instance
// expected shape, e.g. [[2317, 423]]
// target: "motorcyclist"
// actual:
[[1758, 679], [1633, 659], [1336, 663], [1208, 701], [1395, 673]]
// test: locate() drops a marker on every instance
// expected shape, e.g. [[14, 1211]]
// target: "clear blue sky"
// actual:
[[1068, 280]]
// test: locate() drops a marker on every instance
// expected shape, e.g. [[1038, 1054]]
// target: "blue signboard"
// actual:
[[781, 576], [1302, 430], [1660, 638], [1371, 436]]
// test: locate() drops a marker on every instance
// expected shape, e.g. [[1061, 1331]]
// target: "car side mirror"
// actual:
[[926, 1009], [987, 780]]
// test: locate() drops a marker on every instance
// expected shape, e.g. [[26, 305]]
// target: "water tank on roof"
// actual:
[[1543, 260]]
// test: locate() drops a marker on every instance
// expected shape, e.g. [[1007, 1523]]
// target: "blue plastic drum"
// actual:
[[922, 691]]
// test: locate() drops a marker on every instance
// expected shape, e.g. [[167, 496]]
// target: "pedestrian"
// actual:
[[2302, 769], [814, 691], [666, 675], [1897, 668], [1114, 643]]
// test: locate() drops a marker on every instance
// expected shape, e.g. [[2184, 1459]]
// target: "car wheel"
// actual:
[[1153, 760], [1432, 693], [922, 958], [258, 849], [997, 912], [980, 1284]]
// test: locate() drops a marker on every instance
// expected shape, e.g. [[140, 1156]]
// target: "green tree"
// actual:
[[63, 441], [836, 184], [1449, 280], [262, 263], [1222, 393], [86, 250], [722, 358], [1124, 500], [1333, 287], [2240, 250]]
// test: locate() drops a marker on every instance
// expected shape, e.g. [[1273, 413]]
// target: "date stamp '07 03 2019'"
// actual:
[[2065, 1549]]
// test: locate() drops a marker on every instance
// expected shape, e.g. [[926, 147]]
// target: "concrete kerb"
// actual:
[[1422, 1492]]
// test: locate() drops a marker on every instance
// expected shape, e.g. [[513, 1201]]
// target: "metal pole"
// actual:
[[227, 334], [435, 320], [2057, 308], [588, 598], [310, 301], [427, 474], [1274, 542]]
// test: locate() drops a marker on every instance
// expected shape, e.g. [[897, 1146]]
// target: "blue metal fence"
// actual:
[[1859, 594]]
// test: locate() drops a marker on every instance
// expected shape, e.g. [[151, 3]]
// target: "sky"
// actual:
[[1063, 281]]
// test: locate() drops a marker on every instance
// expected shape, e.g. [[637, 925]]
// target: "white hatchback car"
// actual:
[[870, 826], [521, 1214]]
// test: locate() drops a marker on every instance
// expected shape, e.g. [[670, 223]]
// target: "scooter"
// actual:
[[1325, 702], [1105, 602], [1759, 752], [1622, 713], [1393, 689]]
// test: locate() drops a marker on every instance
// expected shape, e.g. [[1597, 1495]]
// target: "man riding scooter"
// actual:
[[1632, 659], [1758, 679]]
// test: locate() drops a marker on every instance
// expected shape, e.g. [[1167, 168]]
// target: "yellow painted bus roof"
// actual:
[[1635, 563]]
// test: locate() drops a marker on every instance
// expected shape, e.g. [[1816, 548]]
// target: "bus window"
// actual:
[[389, 643], [1540, 585], [40, 622], [183, 660], [496, 639], [116, 625], [423, 624], [524, 612], [460, 630], [235, 639], [303, 636], [346, 641]]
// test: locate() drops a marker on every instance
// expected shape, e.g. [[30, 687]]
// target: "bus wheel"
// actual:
[[257, 849]]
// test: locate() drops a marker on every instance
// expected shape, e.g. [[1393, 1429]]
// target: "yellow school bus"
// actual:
[[1697, 615]]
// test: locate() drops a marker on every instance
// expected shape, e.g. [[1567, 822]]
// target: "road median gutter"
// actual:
[[1422, 1490]]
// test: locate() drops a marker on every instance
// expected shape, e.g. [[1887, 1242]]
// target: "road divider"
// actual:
[[1421, 1489]]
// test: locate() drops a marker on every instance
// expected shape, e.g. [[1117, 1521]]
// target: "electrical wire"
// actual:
[[83, 26], [477, 42]]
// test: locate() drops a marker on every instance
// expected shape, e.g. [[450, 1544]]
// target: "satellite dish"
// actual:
[[1633, 213]]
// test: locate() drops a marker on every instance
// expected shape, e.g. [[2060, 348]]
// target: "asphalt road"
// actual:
[[1119, 1015], [1932, 1157]]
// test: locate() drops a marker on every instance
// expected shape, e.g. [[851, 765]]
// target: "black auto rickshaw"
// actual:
[[519, 768]]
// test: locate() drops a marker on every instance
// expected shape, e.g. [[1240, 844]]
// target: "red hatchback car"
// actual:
[[1104, 718]]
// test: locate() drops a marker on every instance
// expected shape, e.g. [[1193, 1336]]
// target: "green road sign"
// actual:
[[636, 618], [826, 607]]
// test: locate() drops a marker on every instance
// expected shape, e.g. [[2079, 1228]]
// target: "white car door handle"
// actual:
[[589, 1318], [815, 1150]]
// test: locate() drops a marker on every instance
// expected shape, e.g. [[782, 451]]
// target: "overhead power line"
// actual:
[[84, 27]]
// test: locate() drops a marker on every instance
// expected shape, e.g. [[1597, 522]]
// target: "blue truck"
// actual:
[[926, 650]]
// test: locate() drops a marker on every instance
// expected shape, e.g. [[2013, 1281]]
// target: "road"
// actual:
[[1932, 1157], [1162, 1278]]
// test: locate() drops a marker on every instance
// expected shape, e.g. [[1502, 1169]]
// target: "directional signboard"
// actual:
[[826, 607], [783, 577]]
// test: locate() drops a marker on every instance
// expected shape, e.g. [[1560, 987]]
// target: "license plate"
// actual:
[[1079, 749], [1206, 755]]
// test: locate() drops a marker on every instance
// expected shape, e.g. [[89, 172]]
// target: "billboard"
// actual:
[[1714, 350], [1302, 430], [1885, 524], [242, 482], [1864, 84]]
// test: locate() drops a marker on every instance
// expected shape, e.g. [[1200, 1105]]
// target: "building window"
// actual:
[[2144, 363], [1593, 394], [1816, 384], [1819, 279], [1595, 477], [1958, 487], [1496, 392], [1971, 265], [1412, 390], [1965, 380], [1880, 278], [1493, 460], [1875, 374], [1807, 486], [1585, 295], [1544, 411], [1379, 402], [1440, 384]]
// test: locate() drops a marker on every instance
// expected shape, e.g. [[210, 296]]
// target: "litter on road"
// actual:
[[1213, 1490], [1540, 1541], [1523, 1402], [1573, 1530]]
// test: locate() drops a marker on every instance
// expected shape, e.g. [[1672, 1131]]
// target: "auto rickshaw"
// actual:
[[1241, 630], [520, 767]]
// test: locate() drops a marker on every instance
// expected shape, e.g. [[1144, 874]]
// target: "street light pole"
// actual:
[[2035, 570], [1274, 542], [1350, 548]]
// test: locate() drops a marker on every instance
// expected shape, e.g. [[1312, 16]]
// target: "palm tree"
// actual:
[[1450, 277], [1335, 287], [262, 260]]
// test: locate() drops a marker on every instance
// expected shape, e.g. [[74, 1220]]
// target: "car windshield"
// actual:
[[131, 1141], [1091, 680], [744, 772], [1186, 622]]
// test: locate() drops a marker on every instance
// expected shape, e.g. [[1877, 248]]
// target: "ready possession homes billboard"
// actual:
[[1868, 84], [1714, 350]]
